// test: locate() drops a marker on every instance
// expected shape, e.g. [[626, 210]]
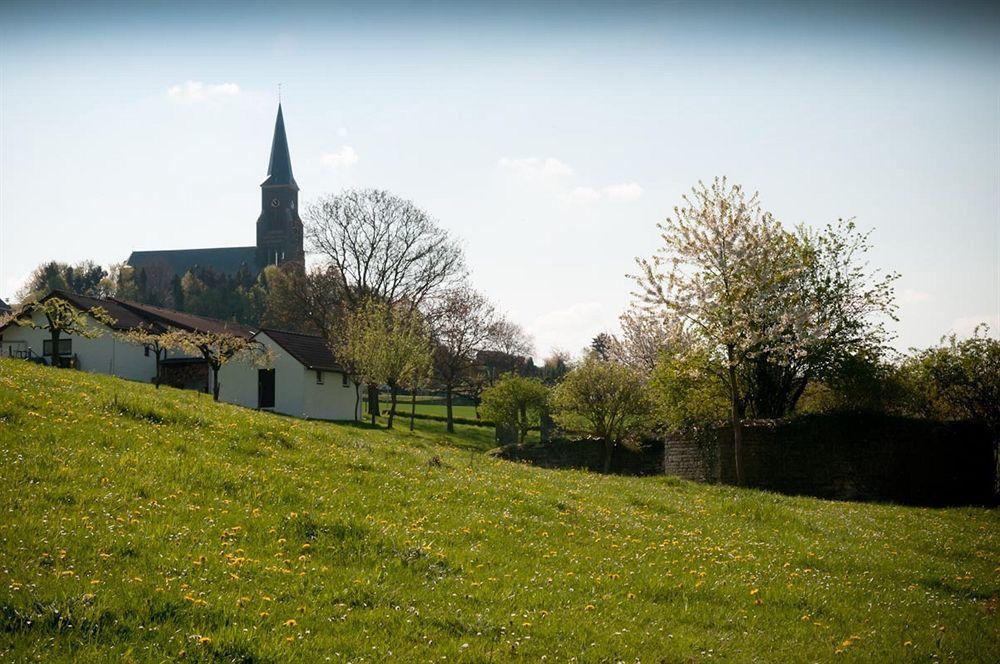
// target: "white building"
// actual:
[[304, 380], [106, 353]]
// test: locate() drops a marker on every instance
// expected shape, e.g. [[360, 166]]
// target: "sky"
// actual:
[[550, 137]]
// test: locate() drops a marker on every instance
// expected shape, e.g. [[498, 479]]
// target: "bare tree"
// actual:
[[382, 247], [464, 322]]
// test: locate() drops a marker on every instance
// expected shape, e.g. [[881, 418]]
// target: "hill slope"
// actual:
[[144, 524]]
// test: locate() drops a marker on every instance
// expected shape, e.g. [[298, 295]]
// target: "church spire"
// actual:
[[279, 168]]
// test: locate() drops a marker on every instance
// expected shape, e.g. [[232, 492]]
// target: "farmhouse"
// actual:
[[303, 380]]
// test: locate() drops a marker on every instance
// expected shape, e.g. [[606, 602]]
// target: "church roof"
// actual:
[[310, 350], [224, 260], [279, 168]]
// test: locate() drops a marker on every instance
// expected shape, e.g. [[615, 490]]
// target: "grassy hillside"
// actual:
[[144, 525]]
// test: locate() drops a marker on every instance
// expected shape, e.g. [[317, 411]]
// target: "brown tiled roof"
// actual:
[[311, 350], [185, 321], [124, 318]]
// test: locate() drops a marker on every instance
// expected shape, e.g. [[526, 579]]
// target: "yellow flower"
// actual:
[[291, 622]]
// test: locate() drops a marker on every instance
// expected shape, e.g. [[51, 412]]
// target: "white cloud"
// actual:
[[345, 157], [536, 169], [627, 191], [571, 328], [342, 132], [581, 195], [913, 296], [966, 325], [196, 91]]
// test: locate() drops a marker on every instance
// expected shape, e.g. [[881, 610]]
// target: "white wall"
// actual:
[[106, 354], [295, 390]]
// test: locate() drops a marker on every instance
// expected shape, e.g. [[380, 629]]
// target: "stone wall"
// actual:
[[588, 454], [854, 457]]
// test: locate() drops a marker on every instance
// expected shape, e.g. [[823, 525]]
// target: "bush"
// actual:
[[516, 402], [608, 400]]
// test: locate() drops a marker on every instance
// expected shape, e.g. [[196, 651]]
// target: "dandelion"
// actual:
[[291, 622]]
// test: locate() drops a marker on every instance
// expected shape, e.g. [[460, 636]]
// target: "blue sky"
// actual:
[[551, 138]]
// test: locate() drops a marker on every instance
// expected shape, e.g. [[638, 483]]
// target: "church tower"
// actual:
[[279, 228]]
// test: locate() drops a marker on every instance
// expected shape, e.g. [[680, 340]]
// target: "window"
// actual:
[[65, 347], [146, 349], [319, 377], [343, 377]]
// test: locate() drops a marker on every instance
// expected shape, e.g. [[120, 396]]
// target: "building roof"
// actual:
[[4, 306], [310, 350], [124, 318], [185, 321], [224, 260], [279, 168]]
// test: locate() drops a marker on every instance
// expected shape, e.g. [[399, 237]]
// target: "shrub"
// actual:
[[516, 402]]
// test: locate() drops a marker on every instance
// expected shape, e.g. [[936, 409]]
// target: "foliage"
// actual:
[[217, 348], [83, 278], [958, 379], [169, 527], [387, 345], [609, 398], [464, 323], [516, 402], [779, 308], [686, 392], [61, 318]]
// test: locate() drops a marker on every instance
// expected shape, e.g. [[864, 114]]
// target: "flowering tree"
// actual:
[[218, 348], [775, 307], [61, 318], [153, 340]]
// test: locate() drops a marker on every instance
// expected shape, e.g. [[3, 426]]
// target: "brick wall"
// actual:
[[854, 457]]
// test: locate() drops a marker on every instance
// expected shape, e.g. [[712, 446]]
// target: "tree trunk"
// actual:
[[451, 422], [215, 383], [55, 334], [157, 379], [393, 390], [373, 408], [413, 406], [609, 451], [522, 428], [737, 423], [357, 401]]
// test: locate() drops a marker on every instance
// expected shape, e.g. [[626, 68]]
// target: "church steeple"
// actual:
[[279, 228], [279, 168]]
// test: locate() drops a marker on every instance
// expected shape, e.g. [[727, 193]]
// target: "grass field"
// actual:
[[434, 408], [148, 526]]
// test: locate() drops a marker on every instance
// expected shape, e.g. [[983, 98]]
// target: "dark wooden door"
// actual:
[[265, 388]]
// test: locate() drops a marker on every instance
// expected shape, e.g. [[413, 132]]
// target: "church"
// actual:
[[279, 228]]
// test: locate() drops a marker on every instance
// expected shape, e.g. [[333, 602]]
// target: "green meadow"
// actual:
[[145, 525]]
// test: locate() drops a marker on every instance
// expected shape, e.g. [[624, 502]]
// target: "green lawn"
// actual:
[[148, 526], [424, 408]]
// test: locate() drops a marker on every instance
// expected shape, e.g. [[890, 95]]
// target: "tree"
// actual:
[[217, 348], [775, 306], [960, 378], [61, 318], [83, 278], [516, 402], [151, 339], [645, 337], [391, 344], [600, 346], [380, 246], [555, 366], [608, 399], [463, 323]]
